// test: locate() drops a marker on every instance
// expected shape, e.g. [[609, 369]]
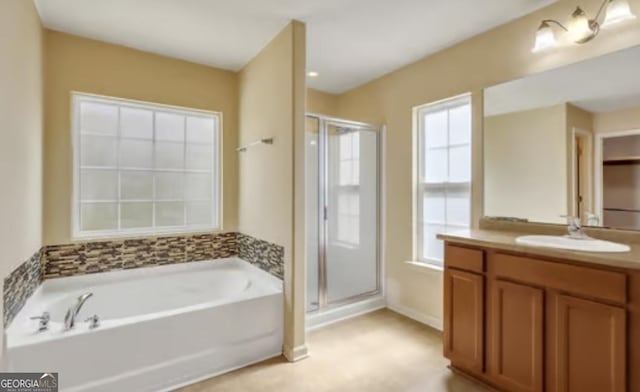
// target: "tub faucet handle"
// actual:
[[43, 324], [94, 321]]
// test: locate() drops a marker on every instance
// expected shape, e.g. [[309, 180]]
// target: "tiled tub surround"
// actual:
[[93, 257], [263, 254], [82, 258], [20, 285]]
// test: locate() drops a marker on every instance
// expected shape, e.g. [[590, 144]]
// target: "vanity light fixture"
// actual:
[[312, 74], [580, 29]]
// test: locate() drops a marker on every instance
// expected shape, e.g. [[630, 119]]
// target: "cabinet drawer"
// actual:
[[589, 282], [464, 258]]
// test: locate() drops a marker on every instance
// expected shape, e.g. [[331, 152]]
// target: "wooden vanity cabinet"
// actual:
[[516, 327], [464, 322], [522, 323], [588, 349], [464, 308]]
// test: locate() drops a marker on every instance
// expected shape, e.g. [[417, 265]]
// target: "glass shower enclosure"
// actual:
[[343, 212]]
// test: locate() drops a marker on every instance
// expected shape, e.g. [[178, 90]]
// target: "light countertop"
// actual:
[[506, 240]]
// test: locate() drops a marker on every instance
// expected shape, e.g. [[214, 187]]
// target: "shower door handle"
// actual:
[[325, 213]]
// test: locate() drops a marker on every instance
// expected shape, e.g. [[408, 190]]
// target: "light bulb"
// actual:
[[545, 38], [579, 29], [617, 11]]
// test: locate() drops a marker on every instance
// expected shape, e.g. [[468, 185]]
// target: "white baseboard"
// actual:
[[332, 316], [433, 322], [296, 354]]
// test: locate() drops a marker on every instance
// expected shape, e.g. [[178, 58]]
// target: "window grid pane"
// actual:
[[348, 196], [142, 168], [444, 175], [349, 158]]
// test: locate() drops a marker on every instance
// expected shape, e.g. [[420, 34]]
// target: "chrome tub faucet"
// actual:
[[72, 313]]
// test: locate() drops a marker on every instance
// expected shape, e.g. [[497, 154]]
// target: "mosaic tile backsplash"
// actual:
[[103, 256], [20, 285], [92, 257], [263, 254]]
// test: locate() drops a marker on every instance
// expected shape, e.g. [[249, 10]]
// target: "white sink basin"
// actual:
[[563, 242]]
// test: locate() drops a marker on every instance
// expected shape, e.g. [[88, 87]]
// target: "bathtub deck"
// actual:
[[378, 352]]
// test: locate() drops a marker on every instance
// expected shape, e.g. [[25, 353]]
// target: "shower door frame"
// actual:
[[323, 208]]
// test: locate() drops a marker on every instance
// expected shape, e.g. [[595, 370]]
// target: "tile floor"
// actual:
[[378, 352]]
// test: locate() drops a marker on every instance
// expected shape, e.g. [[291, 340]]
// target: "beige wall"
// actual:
[[319, 102], [526, 164], [271, 104], [496, 56], [620, 120], [579, 118], [79, 64], [20, 136], [266, 172]]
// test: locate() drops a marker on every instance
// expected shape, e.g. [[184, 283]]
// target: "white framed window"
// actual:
[[348, 189], [442, 174], [143, 168]]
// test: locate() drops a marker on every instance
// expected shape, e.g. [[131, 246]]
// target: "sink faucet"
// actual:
[[574, 227], [72, 313], [592, 219]]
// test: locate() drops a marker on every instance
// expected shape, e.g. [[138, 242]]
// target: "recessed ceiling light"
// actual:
[[312, 74]]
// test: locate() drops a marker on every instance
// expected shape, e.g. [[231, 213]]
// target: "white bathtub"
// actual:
[[160, 327]]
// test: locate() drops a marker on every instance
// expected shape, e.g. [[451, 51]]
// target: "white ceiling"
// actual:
[[349, 42], [602, 84]]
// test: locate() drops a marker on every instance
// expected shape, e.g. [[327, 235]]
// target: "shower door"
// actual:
[[343, 211]]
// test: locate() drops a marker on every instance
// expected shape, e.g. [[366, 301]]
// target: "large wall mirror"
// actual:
[[566, 142]]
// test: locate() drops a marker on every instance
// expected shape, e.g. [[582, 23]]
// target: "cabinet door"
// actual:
[[588, 346], [516, 325], [464, 319]]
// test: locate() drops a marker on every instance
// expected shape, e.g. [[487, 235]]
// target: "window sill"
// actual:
[[424, 267], [132, 235]]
